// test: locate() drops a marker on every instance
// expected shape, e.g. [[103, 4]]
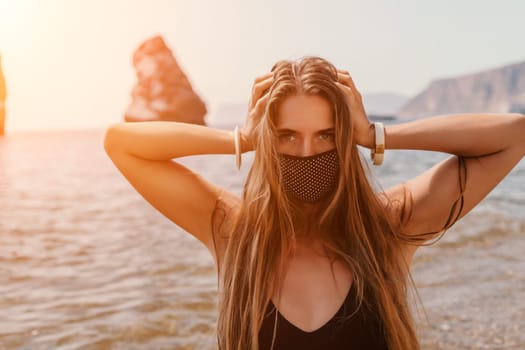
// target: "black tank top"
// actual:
[[357, 332]]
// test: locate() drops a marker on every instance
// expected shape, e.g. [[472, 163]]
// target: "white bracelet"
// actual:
[[236, 143], [378, 152]]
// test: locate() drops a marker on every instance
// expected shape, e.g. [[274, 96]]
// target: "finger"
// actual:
[[345, 79], [344, 76], [258, 111], [343, 72], [263, 77], [259, 88], [264, 84], [348, 81], [350, 92], [344, 87], [261, 103]]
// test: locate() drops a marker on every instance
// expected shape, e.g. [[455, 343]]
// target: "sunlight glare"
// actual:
[[16, 17]]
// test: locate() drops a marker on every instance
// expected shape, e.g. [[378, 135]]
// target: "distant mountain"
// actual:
[[377, 105], [383, 103], [497, 90]]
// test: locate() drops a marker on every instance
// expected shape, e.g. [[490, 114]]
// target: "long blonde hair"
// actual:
[[355, 223]]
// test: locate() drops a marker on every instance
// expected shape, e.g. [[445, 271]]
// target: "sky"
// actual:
[[68, 62]]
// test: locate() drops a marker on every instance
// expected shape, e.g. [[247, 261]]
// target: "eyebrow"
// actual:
[[286, 130]]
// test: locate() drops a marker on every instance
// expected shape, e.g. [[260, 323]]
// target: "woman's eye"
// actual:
[[289, 138], [326, 136]]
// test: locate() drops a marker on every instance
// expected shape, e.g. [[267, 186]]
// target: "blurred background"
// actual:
[[86, 263]]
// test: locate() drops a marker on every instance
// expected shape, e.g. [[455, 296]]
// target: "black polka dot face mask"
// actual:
[[309, 178]]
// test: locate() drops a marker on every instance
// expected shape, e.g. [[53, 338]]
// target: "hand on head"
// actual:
[[258, 100], [362, 126]]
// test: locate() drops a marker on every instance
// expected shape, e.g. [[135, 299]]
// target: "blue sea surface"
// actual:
[[87, 263]]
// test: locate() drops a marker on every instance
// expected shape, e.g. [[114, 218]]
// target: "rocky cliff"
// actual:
[[498, 90], [162, 91]]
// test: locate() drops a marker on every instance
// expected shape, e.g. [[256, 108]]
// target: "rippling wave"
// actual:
[[86, 263]]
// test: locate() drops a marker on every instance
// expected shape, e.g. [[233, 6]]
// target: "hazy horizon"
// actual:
[[68, 63]]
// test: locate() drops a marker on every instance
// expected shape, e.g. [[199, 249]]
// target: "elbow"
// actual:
[[111, 138]]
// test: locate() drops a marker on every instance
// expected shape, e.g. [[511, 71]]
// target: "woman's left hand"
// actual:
[[363, 129]]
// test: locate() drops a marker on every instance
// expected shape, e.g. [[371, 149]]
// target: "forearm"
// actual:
[[164, 140], [461, 134]]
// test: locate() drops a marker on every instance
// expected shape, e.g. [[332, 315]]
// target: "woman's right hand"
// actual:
[[258, 100]]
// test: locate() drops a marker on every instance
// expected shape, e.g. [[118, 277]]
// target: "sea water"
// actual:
[[87, 263]]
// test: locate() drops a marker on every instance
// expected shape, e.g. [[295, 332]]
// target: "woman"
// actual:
[[322, 262]]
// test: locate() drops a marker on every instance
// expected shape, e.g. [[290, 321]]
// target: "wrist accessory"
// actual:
[[237, 145], [378, 152]]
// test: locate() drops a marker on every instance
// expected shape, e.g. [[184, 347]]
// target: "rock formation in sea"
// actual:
[[3, 94], [162, 90], [498, 90]]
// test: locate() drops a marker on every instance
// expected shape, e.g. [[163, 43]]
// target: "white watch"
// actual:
[[378, 152]]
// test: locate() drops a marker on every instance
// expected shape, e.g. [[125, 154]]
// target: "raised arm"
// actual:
[[491, 144], [143, 153]]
